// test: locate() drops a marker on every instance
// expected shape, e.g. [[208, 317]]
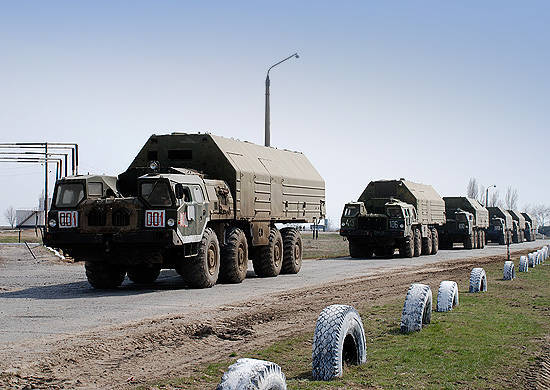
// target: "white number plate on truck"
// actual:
[[67, 219], [154, 218]]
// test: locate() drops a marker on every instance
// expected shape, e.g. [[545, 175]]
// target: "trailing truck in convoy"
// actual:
[[466, 222], [198, 203], [393, 214], [500, 226], [530, 227], [518, 231]]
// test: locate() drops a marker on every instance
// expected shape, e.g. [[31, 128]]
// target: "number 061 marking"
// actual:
[[154, 218]]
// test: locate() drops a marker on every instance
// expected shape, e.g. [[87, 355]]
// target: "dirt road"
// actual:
[[55, 331]]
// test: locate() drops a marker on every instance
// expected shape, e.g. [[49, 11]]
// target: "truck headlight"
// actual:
[[402, 226], [170, 222], [52, 223]]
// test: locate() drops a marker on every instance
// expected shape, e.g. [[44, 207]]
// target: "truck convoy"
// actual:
[[500, 226], [530, 227], [466, 222], [198, 203], [394, 214], [518, 230]]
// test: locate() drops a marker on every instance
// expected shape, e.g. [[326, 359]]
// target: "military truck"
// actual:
[[393, 214], [530, 227], [466, 222], [198, 203], [500, 226], [518, 231]]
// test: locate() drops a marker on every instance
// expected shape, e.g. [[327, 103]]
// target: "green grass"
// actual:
[[328, 244], [480, 344]]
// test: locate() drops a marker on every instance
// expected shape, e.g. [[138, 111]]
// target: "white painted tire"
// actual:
[[253, 374], [339, 337], [523, 264], [478, 280], [417, 310], [532, 259], [509, 272], [539, 257], [447, 296]]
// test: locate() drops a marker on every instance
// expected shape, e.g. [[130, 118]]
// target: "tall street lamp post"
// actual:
[[487, 195]]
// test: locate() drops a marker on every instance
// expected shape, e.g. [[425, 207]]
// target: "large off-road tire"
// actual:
[[144, 273], [478, 280], [502, 239], [407, 246], [339, 338], [427, 244], [202, 270], [523, 264], [417, 310], [292, 251], [469, 242], [234, 257], [435, 241], [417, 242], [483, 239], [103, 275], [269, 258], [357, 250], [509, 271], [528, 236], [447, 296], [253, 374]]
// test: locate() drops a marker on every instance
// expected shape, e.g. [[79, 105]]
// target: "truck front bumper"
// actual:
[[74, 239], [375, 237]]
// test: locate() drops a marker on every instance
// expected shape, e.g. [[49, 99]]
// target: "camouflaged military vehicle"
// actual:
[[518, 231], [393, 214], [530, 227], [466, 222], [500, 226], [198, 203]]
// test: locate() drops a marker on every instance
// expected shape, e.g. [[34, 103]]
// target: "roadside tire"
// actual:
[[447, 296], [478, 280], [202, 270], [234, 257], [417, 310], [269, 259], [253, 374], [104, 276], [339, 338], [435, 241], [427, 244], [509, 272], [532, 259], [144, 274], [292, 251], [523, 264], [407, 248], [417, 242]]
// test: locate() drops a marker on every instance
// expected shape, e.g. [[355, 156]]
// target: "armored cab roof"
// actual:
[[471, 205], [530, 218], [517, 216], [500, 213]]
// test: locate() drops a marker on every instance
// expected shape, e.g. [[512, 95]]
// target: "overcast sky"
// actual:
[[436, 92]]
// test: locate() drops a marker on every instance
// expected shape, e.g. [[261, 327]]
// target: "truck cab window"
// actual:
[[69, 195], [156, 193], [95, 189], [197, 194]]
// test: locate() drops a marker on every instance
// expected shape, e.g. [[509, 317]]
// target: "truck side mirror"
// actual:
[[179, 191]]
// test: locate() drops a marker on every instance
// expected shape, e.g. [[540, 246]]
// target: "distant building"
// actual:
[[31, 217]]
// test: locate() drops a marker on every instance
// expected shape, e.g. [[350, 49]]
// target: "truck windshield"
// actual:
[[69, 194], [461, 217], [156, 193], [351, 211], [394, 212]]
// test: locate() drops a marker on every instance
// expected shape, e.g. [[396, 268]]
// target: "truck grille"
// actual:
[[96, 218], [121, 217], [372, 223]]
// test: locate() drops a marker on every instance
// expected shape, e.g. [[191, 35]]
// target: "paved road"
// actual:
[[41, 298]]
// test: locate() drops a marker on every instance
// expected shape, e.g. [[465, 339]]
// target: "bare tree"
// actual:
[[10, 216], [541, 213], [494, 200], [472, 191], [511, 198]]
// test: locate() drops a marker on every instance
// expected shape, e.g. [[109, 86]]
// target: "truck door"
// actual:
[[192, 212]]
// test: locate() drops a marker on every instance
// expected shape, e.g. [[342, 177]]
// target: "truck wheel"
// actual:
[[469, 242], [292, 251], [104, 276], [339, 338], [359, 251], [435, 241], [417, 310], [202, 270], [417, 242], [269, 259], [144, 274], [482, 232], [234, 257], [253, 374], [427, 244], [502, 240], [407, 247]]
